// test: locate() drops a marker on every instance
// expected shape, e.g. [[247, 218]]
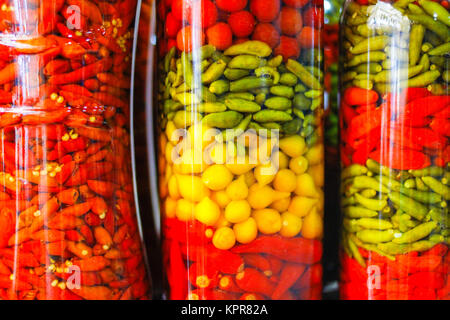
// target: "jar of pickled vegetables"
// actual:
[[240, 101], [69, 229], [395, 152]]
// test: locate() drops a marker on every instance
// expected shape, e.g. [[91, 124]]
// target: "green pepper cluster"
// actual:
[[413, 55], [244, 87], [394, 212]]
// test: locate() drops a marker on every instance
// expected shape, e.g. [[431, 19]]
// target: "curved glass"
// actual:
[[68, 227], [240, 100], [395, 150]]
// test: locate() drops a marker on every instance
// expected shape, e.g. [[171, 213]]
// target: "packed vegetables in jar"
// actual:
[[394, 121], [240, 101], [68, 225]]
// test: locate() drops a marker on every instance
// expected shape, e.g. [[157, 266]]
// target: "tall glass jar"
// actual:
[[395, 152], [332, 11], [240, 101], [69, 229]]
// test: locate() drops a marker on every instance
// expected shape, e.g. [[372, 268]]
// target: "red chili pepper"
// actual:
[[177, 273], [203, 275], [259, 262], [426, 106], [298, 250], [251, 280], [210, 254], [404, 159], [357, 96], [362, 124], [289, 275]]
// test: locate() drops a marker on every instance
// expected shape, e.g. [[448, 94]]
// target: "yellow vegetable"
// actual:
[[169, 153], [293, 146], [171, 133], [315, 155], [200, 135], [185, 210], [163, 190], [267, 220], [162, 142], [280, 159], [217, 177], [317, 172], [170, 206], [220, 153], [192, 188], [237, 211], [249, 178], [224, 238], [222, 222], [237, 190], [301, 206], [192, 161], [260, 197], [285, 180], [291, 225], [299, 165], [312, 225], [240, 165], [207, 212], [265, 173], [221, 198], [173, 188], [306, 187], [281, 205], [246, 231]]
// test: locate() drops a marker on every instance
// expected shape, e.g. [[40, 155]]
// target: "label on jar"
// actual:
[[384, 16]]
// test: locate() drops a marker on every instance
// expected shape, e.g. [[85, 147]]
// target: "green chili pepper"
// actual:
[[278, 103], [301, 102], [353, 38], [363, 83], [354, 249], [299, 88], [436, 10], [372, 44], [271, 115], [371, 223], [375, 236], [437, 27], [223, 120], [372, 204], [415, 9], [368, 193], [214, 72], [256, 48], [260, 98], [235, 74], [373, 56], [245, 61], [242, 105], [370, 68], [443, 49], [282, 91], [292, 127], [187, 98], [207, 107], [426, 46], [288, 79], [424, 79], [350, 225], [422, 196], [275, 61], [417, 233], [353, 170], [410, 183], [437, 187], [249, 83], [231, 134], [307, 78], [364, 182], [240, 95], [219, 87], [359, 212], [412, 207], [184, 119]]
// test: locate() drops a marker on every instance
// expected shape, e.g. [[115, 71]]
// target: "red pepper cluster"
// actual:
[[286, 25], [410, 277], [67, 217], [270, 267], [417, 134]]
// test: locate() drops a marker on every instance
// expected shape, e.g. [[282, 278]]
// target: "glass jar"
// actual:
[[395, 150], [240, 101], [69, 229], [332, 13]]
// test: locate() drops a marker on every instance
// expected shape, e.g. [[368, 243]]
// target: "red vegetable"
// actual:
[[251, 280], [220, 36], [242, 23], [267, 33], [231, 5], [265, 10], [290, 21]]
